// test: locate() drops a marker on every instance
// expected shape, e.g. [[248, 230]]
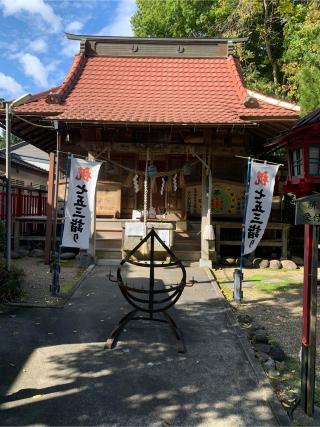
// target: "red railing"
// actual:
[[24, 202]]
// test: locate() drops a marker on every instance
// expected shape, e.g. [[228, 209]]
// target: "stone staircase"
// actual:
[[108, 238], [186, 246]]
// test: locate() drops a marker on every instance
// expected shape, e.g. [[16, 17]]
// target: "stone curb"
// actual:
[[61, 305], [279, 413]]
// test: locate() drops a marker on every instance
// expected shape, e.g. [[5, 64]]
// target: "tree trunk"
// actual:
[[267, 38]]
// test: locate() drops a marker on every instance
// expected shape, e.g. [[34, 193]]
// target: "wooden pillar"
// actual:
[[19, 202], [205, 259], [50, 201]]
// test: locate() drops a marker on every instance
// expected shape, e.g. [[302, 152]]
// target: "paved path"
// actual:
[[54, 370]]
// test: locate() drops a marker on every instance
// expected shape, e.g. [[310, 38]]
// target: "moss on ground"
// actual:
[[265, 283], [269, 281]]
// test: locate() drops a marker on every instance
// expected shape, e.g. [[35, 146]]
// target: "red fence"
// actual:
[[24, 202]]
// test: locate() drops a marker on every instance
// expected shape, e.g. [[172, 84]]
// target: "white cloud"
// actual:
[[38, 45], [9, 87], [70, 47], [33, 7], [34, 68], [120, 26], [74, 27]]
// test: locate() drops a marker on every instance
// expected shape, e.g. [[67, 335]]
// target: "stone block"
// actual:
[[264, 263], [275, 264], [289, 264]]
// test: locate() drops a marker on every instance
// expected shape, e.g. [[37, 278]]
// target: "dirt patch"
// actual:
[[38, 278]]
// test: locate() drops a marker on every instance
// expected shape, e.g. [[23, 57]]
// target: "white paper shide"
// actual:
[[262, 179], [80, 203]]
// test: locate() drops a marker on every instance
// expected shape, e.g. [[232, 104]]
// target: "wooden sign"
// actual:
[[308, 210]]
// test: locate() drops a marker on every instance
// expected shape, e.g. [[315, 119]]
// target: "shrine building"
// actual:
[[182, 106]]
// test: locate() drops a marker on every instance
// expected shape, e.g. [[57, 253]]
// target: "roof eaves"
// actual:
[[274, 101], [153, 40], [239, 123], [311, 118]]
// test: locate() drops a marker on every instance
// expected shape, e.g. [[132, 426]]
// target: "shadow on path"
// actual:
[[56, 371]]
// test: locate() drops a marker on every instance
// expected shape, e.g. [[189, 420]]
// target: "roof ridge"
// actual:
[[71, 78], [274, 101], [238, 80]]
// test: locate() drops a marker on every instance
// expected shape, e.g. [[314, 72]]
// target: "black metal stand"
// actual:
[[155, 301]]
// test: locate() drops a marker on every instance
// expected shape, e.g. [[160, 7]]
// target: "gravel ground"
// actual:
[[280, 311], [38, 278]]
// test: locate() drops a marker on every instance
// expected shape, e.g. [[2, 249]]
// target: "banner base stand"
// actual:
[[237, 285]]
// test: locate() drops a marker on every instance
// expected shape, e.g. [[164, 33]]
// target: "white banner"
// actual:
[[80, 203], [262, 180]]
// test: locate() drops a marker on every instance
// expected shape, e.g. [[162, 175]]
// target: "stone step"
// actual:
[[103, 244], [104, 225], [109, 234], [108, 254], [186, 241], [187, 235], [188, 255]]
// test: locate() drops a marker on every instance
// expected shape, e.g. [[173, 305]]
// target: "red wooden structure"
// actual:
[[303, 145], [24, 202]]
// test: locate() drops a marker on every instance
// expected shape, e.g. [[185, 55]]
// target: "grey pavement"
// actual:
[[54, 369]]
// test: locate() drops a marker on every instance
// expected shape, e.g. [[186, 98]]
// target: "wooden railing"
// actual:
[[25, 201]]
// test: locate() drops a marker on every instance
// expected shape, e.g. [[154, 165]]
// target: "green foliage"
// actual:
[[10, 283], [281, 56], [14, 140], [180, 18]]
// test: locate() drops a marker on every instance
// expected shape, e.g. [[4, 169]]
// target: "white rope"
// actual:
[[135, 171], [145, 200]]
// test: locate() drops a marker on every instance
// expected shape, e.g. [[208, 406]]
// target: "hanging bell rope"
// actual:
[[145, 201]]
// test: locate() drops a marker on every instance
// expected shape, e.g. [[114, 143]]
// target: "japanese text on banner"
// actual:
[[262, 179], [80, 203]]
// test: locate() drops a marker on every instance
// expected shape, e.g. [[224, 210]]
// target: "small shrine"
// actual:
[[303, 146], [168, 118]]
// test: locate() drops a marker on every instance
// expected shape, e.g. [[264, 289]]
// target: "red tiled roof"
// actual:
[[155, 91]]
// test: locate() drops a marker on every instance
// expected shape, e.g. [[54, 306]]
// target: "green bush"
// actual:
[[10, 283]]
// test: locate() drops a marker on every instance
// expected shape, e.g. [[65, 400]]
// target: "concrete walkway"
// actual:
[[55, 371]]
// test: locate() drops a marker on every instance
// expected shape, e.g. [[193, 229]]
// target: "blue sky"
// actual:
[[34, 52]]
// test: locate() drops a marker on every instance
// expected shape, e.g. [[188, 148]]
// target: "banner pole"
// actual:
[[238, 275], [55, 287]]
